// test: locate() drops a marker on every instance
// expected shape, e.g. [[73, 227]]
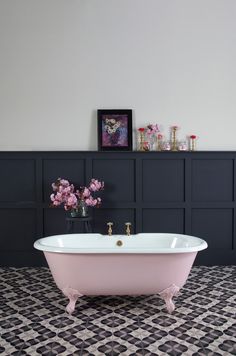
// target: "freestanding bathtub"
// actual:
[[94, 264]]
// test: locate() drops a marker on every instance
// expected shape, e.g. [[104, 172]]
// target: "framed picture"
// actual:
[[114, 130]]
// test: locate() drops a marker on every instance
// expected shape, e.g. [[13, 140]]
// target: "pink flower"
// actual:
[[71, 200], [56, 198], [68, 190], [59, 196], [95, 185], [152, 129], [56, 203], [52, 197], [91, 201], [54, 187], [86, 193], [64, 182]]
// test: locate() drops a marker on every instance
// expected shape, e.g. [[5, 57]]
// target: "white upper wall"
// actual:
[[171, 61]]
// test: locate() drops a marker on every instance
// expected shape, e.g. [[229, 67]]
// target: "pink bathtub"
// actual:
[[94, 264]]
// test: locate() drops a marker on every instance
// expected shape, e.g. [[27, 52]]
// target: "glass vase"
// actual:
[[182, 146], [192, 144], [166, 145], [81, 211], [152, 140]]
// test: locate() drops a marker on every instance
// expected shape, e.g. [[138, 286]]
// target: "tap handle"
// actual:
[[128, 224], [110, 224]]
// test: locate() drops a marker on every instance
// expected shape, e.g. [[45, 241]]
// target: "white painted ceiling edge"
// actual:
[[172, 62]]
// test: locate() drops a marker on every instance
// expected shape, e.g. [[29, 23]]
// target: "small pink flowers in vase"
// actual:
[[77, 202], [192, 142], [152, 130]]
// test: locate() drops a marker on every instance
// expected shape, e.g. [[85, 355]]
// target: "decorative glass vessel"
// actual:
[[182, 146], [192, 143], [159, 142], [152, 140], [81, 211], [166, 145]]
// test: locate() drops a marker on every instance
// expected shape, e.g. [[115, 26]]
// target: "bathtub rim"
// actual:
[[121, 250]]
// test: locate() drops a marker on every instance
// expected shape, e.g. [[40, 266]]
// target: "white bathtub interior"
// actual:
[[140, 243]]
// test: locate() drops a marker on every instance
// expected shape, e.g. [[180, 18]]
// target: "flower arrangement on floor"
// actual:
[[76, 201]]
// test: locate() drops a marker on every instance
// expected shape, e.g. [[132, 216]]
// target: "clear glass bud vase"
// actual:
[[152, 140]]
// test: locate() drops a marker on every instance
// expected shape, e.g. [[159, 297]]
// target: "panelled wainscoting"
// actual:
[[180, 192]]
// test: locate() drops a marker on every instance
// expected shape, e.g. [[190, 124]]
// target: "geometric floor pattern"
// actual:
[[33, 320]]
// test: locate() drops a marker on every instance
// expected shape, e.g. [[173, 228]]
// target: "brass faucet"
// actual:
[[110, 224], [128, 225]]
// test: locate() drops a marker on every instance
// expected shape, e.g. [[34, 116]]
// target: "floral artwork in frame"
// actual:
[[115, 130]]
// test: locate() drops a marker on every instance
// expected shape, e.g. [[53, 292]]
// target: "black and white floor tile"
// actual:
[[33, 321]]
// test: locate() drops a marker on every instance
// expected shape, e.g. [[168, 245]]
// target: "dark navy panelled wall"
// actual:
[[182, 192]]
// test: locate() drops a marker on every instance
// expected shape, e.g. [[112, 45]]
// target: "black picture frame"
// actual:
[[114, 130]]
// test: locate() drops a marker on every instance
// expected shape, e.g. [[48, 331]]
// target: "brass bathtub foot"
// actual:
[[167, 295], [73, 295]]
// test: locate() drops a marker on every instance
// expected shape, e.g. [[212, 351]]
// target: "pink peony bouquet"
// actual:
[[65, 193]]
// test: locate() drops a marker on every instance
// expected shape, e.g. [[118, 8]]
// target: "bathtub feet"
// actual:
[[73, 295], [167, 295]]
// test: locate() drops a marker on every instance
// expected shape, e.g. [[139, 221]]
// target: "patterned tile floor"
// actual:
[[33, 321]]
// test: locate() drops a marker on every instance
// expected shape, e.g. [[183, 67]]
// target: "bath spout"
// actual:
[[167, 295]]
